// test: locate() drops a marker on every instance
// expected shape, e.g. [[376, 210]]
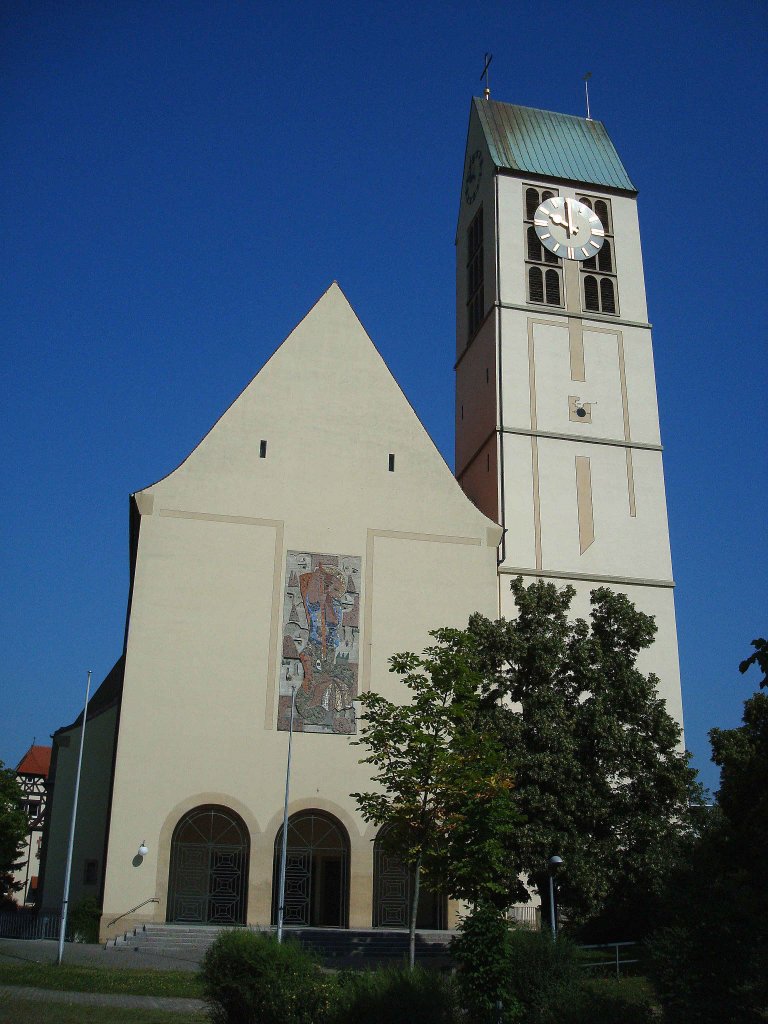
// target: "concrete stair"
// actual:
[[374, 946], [336, 947], [177, 940]]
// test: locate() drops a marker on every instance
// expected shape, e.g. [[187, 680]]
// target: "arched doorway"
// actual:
[[316, 874], [392, 887], [208, 879]]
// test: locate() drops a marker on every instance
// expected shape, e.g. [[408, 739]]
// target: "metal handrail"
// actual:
[[152, 899], [617, 963]]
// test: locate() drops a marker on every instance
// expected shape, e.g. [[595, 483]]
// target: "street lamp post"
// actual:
[[554, 864], [284, 850]]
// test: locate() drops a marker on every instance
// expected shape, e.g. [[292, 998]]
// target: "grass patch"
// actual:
[[632, 990], [116, 981], [14, 1010]]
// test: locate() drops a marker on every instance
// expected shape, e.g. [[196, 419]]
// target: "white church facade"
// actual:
[[267, 561]]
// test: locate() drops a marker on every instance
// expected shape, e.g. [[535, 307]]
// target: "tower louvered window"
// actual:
[[599, 291], [543, 270], [475, 284]]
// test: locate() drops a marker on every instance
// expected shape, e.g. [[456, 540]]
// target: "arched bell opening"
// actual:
[[392, 888], [208, 877], [316, 873]]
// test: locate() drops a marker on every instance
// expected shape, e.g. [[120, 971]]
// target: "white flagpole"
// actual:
[[68, 872], [284, 851]]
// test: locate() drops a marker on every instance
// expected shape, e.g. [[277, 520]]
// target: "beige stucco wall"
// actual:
[[203, 652], [476, 395], [484, 198], [93, 802]]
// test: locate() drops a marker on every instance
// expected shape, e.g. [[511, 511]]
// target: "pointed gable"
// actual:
[[318, 429]]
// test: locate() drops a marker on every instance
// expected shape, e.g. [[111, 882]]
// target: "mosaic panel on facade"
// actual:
[[321, 642]]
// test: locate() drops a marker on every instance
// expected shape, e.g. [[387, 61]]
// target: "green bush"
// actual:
[[604, 1002], [713, 969], [83, 921], [543, 974], [482, 952], [249, 979], [396, 996]]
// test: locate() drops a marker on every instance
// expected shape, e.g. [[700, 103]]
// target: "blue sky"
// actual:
[[181, 182]]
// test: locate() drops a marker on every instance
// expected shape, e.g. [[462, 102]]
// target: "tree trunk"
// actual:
[[414, 912]]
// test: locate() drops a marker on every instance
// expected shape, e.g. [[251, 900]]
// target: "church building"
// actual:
[[298, 547]]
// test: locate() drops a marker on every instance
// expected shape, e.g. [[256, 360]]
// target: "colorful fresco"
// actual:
[[321, 642]]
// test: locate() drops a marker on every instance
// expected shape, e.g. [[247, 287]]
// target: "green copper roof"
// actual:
[[553, 145]]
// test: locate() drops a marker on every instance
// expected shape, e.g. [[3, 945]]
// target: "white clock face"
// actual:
[[568, 228]]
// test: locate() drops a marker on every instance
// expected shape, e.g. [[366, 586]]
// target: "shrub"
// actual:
[[482, 952], [710, 965], [249, 979], [605, 1002], [83, 921], [543, 974], [396, 996]]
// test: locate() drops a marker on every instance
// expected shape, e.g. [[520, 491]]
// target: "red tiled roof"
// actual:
[[36, 761]]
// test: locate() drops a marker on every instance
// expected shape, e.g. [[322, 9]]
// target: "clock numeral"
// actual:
[[593, 242], [586, 253], [598, 231], [570, 253], [544, 234], [556, 247], [541, 223]]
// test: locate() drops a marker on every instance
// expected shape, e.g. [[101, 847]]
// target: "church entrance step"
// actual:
[[336, 947]]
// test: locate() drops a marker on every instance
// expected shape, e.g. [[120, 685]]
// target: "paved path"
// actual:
[[50, 995], [44, 951]]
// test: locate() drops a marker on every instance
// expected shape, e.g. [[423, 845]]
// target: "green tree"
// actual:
[[600, 779], [742, 755], [444, 787], [710, 960], [759, 657], [13, 832]]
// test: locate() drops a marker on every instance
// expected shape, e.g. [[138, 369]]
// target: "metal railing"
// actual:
[[152, 899], [615, 962], [26, 924]]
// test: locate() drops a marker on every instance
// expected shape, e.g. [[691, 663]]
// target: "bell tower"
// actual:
[[557, 430]]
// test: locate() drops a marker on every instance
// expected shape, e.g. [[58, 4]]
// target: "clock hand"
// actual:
[[561, 222], [569, 214]]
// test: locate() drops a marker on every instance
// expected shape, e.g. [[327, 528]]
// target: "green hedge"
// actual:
[[396, 996], [249, 979]]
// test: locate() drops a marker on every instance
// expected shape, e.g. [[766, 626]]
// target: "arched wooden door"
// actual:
[[317, 872], [208, 878]]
